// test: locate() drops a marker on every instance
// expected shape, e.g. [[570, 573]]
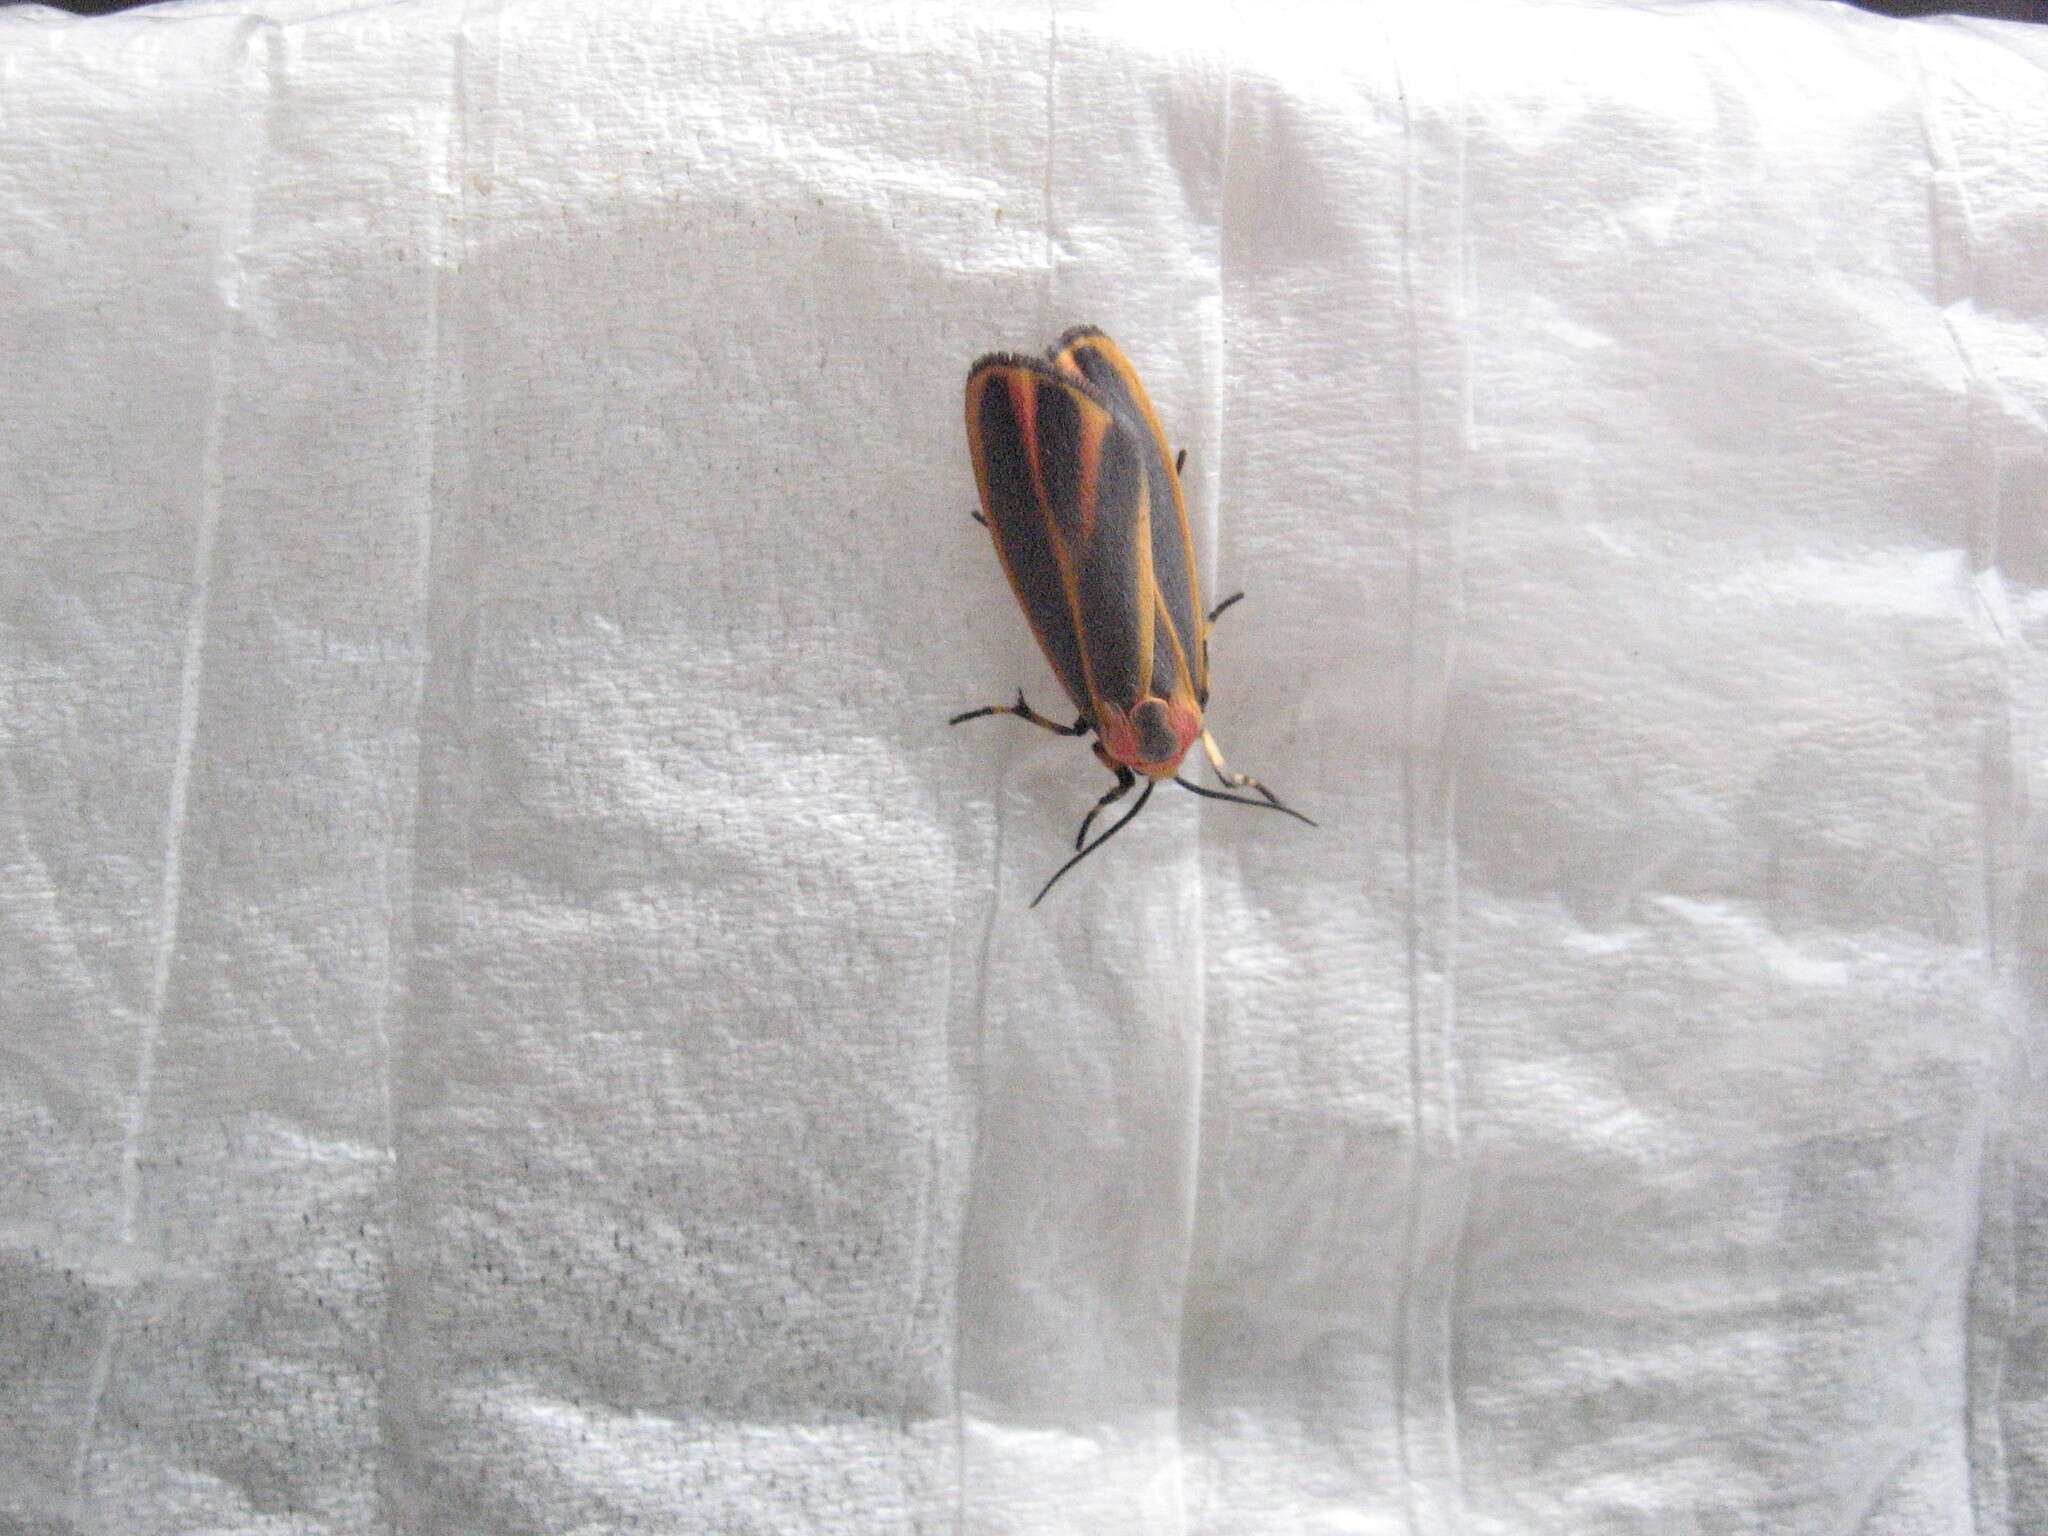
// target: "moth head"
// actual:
[[1153, 737]]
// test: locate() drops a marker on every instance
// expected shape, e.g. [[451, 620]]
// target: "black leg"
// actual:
[[1124, 780], [1214, 613], [1024, 711], [977, 517], [1180, 462]]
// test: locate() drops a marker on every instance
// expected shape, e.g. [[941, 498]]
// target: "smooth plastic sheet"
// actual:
[[516, 1015]]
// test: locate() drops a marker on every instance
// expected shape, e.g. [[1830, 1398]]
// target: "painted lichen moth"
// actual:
[[1083, 498]]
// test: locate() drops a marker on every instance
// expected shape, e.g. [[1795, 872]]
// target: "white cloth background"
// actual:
[[519, 1016]]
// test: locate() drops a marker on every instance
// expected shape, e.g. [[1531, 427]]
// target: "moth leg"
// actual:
[[975, 513], [1024, 711], [1180, 462], [1125, 779], [1236, 781], [1208, 624], [1217, 611]]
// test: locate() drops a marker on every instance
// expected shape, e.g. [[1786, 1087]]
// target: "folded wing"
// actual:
[[1066, 488], [1088, 354]]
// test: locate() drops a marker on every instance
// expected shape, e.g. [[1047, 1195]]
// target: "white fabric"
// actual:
[[519, 1016]]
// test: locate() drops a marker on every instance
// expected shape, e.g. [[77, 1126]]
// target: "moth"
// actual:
[[1083, 498]]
